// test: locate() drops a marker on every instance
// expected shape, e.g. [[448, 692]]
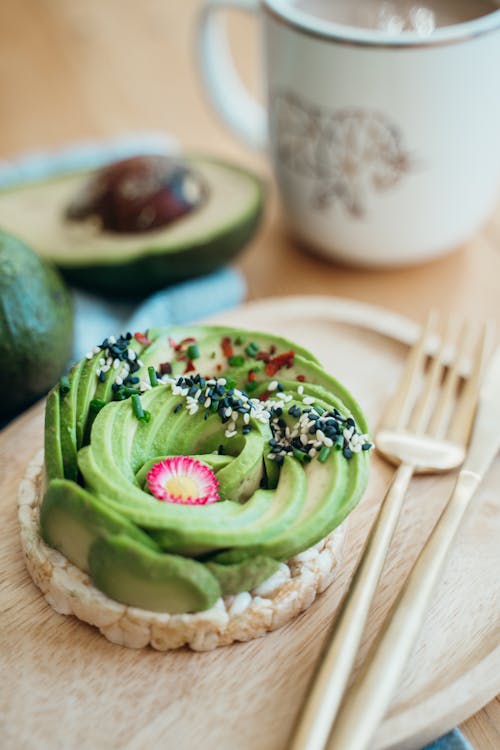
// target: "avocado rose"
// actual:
[[187, 464]]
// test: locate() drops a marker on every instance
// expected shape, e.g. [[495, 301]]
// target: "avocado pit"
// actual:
[[138, 194]]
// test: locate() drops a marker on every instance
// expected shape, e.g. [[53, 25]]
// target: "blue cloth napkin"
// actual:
[[96, 318]]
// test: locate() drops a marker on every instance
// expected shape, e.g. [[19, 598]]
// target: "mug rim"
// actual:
[[286, 13]]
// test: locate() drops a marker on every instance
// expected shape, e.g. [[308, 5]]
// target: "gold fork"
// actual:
[[422, 434]]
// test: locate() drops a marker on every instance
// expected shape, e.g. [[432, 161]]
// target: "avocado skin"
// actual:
[[243, 576], [132, 574], [98, 520], [36, 325], [147, 273]]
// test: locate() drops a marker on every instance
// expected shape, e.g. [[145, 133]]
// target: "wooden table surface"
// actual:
[[79, 70]]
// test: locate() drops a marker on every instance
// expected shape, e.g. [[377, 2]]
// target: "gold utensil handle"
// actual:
[[368, 698], [329, 682]]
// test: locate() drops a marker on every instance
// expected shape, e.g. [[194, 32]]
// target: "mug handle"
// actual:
[[237, 108]]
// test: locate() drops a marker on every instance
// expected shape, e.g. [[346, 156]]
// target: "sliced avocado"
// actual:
[[68, 402], [244, 575], [71, 519], [135, 575], [52, 437], [137, 263]]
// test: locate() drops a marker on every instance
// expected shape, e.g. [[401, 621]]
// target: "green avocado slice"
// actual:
[[135, 575], [71, 519], [136, 264], [52, 437], [244, 575]]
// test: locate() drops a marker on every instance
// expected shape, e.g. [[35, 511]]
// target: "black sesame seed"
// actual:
[[347, 453], [178, 408]]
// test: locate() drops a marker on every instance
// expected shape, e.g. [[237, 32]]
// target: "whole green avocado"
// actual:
[[36, 325]]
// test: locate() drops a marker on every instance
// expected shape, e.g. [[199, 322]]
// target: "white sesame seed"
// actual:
[[313, 452], [116, 364], [111, 340], [281, 396], [231, 426], [308, 400], [328, 442], [140, 363], [300, 390], [207, 403], [118, 380], [89, 355], [96, 349], [272, 385], [228, 411], [230, 433], [102, 361], [303, 439], [246, 418], [320, 435], [132, 355], [347, 433], [221, 381]]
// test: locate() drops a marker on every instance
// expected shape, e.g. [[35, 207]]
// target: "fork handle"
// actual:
[[369, 697], [335, 664]]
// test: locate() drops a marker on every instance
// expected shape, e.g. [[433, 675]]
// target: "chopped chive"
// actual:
[[301, 456], [250, 387], [141, 415], [238, 341], [152, 376], [96, 405], [319, 409], [64, 385], [193, 351], [323, 454], [213, 355], [230, 383], [252, 349], [236, 361]]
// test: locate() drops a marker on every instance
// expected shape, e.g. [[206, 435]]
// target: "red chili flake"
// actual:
[[172, 343], [301, 378], [142, 339], [272, 349], [263, 356], [226, 346], [251, 376], [189, 366], [165, 368], [219, 368], [264, 396], [282, 360]]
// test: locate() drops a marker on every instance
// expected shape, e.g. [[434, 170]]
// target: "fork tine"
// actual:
[[461, 423], [420, 416], [401, 403], [437, 424]]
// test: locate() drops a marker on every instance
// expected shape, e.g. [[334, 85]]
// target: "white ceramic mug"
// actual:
[[386, 149]]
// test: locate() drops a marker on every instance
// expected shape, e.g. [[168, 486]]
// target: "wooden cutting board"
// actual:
[[65, 686]]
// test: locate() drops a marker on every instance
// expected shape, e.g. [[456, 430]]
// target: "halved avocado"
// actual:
[[134, 264]]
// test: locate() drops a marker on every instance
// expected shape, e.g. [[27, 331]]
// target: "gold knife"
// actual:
[[369, 697]]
